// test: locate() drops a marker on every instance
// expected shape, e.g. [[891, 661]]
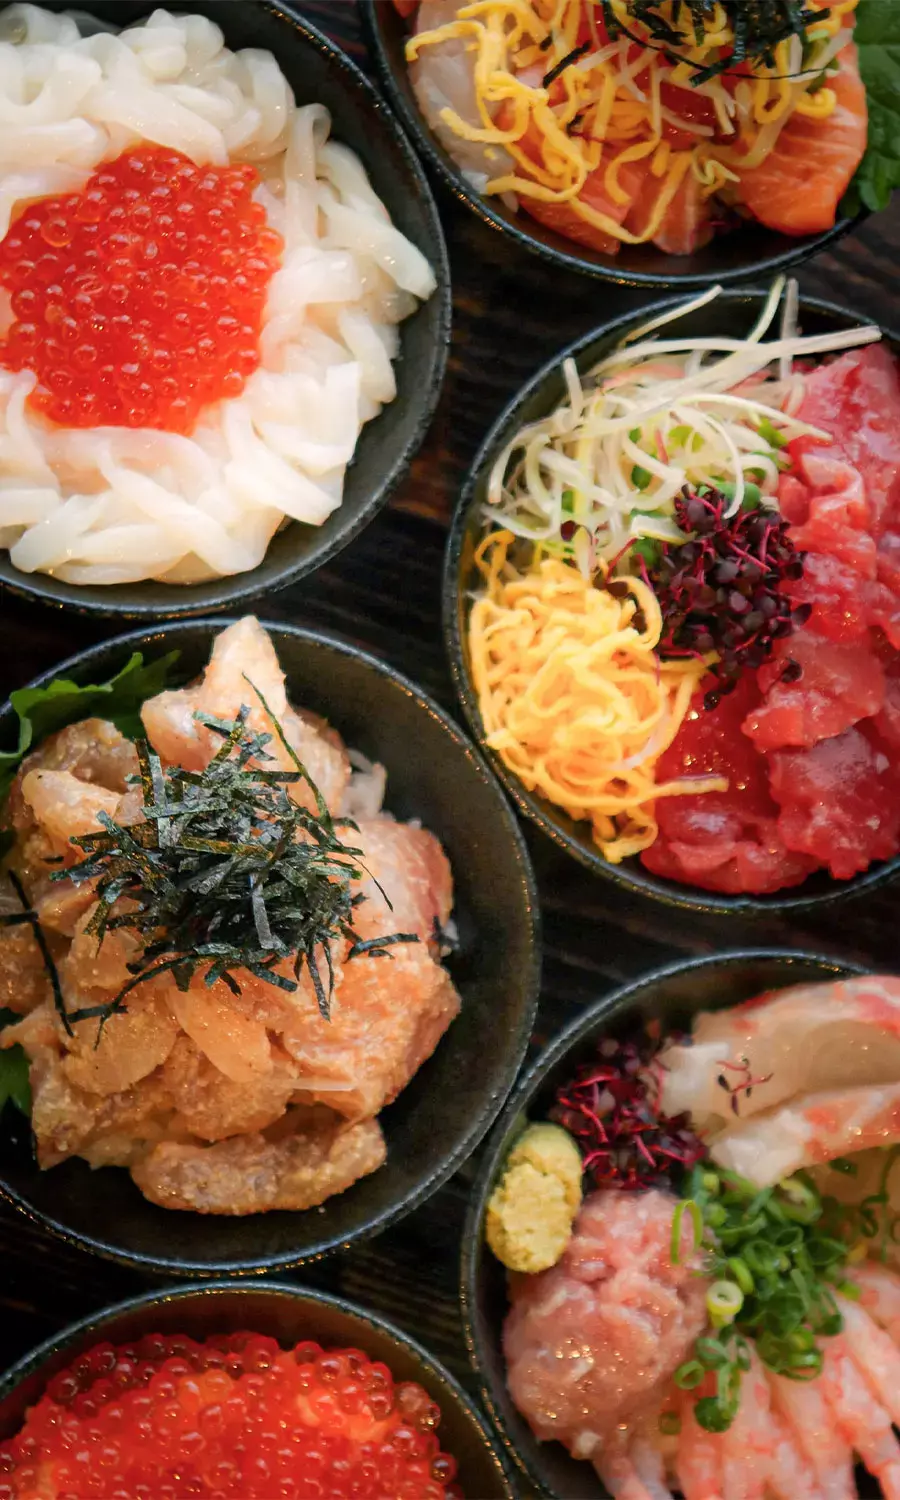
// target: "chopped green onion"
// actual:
[[713, 1415], [686, 1206], [752, 493], [568, 501], [641, 478], [740, 1272], [669, 1423], [799, 1201], [724, 1301], [648, 549], [712, 1354], [689, 1375], [710, 1183], [771, 434], [679, 435]]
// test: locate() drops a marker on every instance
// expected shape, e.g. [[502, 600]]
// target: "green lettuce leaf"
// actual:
[[41, 711], [14, 1084], [877, 36]]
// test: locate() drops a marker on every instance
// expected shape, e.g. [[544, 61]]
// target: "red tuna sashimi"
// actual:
[[838, 515], [840, 608], [856, 398], [722, 841], [840, 683], [840, 802]]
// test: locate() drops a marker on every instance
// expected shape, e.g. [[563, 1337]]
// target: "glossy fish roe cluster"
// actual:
[[170, 1419], [139, 300]]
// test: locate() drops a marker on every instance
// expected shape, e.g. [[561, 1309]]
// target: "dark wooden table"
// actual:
[[383, 592]]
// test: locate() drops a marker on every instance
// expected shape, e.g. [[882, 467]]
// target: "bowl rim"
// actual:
[[636, 880], [45, 589], [573, 1034], [795, 252], [530, 973], [31, 1362]]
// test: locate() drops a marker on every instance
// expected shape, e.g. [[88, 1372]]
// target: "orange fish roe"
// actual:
[[139, 300], [167, 1418]]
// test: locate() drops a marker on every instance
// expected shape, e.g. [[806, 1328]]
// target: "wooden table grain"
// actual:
[[383, 593]]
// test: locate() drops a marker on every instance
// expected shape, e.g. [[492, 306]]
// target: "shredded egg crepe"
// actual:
[[573, 696]]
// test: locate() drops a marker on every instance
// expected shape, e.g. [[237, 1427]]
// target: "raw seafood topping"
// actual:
[[738, 1334], [231, 957], [155, 268], [167, 1417], [700, 516]]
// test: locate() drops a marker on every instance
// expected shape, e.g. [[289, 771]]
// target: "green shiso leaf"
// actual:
[[44, 710], [877, 37], [14, 1084]]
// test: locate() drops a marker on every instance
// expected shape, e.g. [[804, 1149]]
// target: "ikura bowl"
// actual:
[[731, 315], [433, 774], [318, 72], [289, 1314], [749, 251], [673, 996]]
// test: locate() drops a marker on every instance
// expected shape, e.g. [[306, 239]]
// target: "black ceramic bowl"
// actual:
[[751, 250], [433, 774], [290, 1315], [731, 314], [318, 72], [672, 995]]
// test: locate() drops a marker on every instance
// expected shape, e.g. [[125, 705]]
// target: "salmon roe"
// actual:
[[139, 300], [166, 1418]]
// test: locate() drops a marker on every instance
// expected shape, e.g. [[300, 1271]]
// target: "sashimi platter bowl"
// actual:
[[200, 1087], [680, 1271], [713, 487]]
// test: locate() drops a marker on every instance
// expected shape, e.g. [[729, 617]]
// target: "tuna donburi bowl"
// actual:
[[220, 958]]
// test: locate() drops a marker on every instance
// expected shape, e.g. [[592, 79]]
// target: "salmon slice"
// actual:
[[250, 1174], [387, 1017], [563, 220], [799, 186], [686, 223]]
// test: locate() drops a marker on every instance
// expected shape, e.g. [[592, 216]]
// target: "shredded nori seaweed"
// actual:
[[757, 27], [226, 873]]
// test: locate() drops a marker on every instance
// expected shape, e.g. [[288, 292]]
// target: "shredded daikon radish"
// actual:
[[602, 471]]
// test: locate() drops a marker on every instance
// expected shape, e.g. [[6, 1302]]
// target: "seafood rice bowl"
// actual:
[[698, 1228], [219, 957], [200, 295]]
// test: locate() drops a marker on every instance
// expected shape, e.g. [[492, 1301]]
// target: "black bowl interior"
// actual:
[[731, 315], [318, 72], [748, 251], [672, 996], [434, 775], [290, 1315]]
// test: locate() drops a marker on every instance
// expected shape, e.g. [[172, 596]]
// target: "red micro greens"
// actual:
[[745, 1084], [722, 590], [611, 1108]]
